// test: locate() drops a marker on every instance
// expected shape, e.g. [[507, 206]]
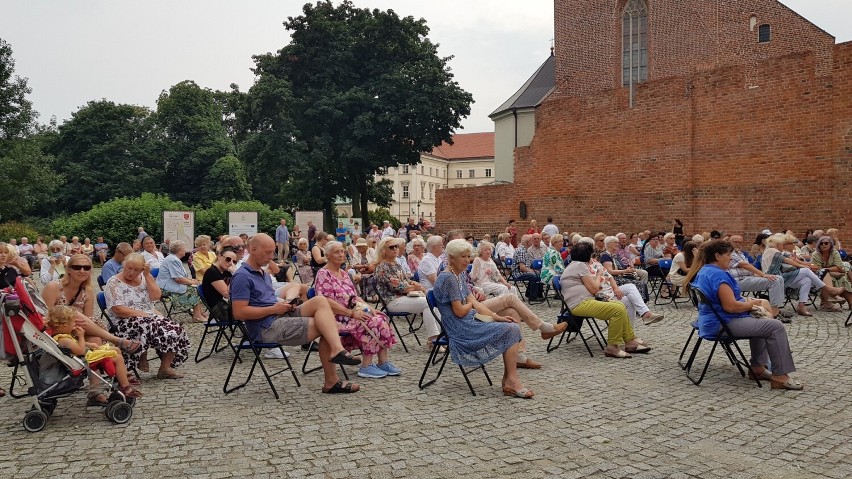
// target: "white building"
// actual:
[[469, 161]]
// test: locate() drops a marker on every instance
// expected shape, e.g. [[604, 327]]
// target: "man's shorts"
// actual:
[[287, 330]]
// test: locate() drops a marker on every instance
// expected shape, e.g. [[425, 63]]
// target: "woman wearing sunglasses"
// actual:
[[400, 294], [215, 283], [53, 267], [76, 290], [826, 256]]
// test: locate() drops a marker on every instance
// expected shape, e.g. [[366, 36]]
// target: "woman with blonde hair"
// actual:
[[796, 274], [826, 256], [303, 261], [11, 266], [202, 258]]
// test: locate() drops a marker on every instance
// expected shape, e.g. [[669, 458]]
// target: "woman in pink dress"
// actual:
[[369, 330]]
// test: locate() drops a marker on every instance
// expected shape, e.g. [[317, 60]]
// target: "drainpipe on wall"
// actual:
[[515, 114]]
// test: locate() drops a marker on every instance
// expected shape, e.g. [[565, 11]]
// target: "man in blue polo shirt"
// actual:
[[113, 266], [272, 320]]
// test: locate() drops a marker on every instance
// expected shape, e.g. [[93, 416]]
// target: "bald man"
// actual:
[[269, 319]]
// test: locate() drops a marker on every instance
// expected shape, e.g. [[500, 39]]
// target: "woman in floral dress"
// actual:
[[369, 330]]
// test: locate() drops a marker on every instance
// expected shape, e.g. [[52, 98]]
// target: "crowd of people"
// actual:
[[481, 290]]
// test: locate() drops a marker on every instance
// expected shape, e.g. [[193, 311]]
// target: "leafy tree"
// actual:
[[17, 117], [193, 138], [106, 151], [356, 91], [28, 180], [227, 180], [380, 215], [117, 220]]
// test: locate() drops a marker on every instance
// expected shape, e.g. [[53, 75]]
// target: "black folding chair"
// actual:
[[848, 320], [443, 341], [724, 338], [575, 324], [305, 370], [223, 328], [257, 348], [410, 319]]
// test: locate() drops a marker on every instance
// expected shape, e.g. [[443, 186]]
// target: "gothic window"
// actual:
[[634, 43]]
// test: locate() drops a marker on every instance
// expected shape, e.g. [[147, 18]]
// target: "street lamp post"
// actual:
[[418, 209]]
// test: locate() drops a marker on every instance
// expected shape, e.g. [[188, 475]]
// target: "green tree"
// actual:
[[28, 181], [106, 151], [17, 117], [356, 91], [227, 180], [193, 138], [213, 221]]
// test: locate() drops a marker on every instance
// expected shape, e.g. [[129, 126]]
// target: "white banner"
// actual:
[[179, 225], [240, 222], [302, 218]]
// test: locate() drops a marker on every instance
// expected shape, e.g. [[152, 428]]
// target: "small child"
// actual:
[[60, 319]]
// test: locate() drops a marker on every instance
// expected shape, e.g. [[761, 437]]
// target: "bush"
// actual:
[[13, 229], [380, 215], [213, 221], [118, 219]]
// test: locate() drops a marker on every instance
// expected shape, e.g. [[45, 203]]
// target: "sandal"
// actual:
[[344, 359], [522, 393], [96, 398], [620, 355], [130, 392], [803, 312], [171, 374], [766, 375], [530, 364], [342, 387], [133, 380], [638, 350], [790, 384], [129, 346]]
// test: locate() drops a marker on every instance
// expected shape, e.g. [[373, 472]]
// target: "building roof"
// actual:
[[466, 146], [534, 91]]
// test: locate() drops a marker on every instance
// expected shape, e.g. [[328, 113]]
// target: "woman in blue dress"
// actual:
[[770, 350], [474, 342]]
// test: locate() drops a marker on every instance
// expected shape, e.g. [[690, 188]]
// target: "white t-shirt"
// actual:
[[505, 250], [387, 232], [428, 265]]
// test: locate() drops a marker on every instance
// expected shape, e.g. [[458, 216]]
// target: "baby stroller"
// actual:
[[42, 366]]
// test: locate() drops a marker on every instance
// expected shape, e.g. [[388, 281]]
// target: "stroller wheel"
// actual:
[[119, 412], [35, 420], [48, 407]]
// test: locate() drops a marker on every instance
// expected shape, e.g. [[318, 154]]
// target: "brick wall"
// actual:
[[684, 36], [737, 148]]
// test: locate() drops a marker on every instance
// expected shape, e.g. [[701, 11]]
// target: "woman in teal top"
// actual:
[[767, 337]]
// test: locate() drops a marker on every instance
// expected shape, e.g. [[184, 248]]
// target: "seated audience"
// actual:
[[768, 338], [504, 247], [623, 272], [137, 246], [579, 287], [202, 258], [113, 265], [430, 265], [486, 275], [318, 259], [74, 247], [53, 267], [395, 289], [808, 248], [152, 256], [175, 280], [522, 269], [653, 252], [752, 279], [472, 342], [215, 283], [40, 249], [11, 266], [553, 264], [130, 297], [101, 250], [270, 320], [27, 251], [418, 251], [796, 275], [828, 258], [670, 249], [369, 330], [88, 248], [303, 262]]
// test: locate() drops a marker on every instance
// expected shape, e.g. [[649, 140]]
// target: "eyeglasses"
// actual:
[[396, 246], [230, 260], [78, 267], [824, 243]]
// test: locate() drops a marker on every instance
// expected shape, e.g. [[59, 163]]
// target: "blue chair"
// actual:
[[469, 268], [155, 272], [575, 324], [416, 277], [724, 338], [536, 264], [222, 327], [843, 255], [444, 341], [101, 282]]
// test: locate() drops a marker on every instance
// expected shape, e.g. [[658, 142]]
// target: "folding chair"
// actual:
[[295, 261], [723, 337], [444, 341], [256, 347], [848, 320], [575, 324], [510, 276], [101, 299], [101, 282], [221, 327], [409, 319], [305, 370]]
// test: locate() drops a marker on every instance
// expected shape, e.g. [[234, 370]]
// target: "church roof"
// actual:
[[534, 91], [466, 146]]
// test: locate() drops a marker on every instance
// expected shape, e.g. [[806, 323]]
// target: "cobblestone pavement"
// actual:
[[594, 417]]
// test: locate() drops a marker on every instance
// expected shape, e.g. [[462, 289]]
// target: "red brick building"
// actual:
[[728, 114]]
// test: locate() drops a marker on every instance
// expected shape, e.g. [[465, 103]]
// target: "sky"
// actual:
[[74, 51]]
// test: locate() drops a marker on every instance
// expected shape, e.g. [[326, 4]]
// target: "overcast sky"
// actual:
[[74, 51]]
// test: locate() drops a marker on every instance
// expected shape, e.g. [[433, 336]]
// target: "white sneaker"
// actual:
[[275, 354]]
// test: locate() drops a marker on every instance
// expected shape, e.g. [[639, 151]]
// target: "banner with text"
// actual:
[[179, 225], [242, 222]]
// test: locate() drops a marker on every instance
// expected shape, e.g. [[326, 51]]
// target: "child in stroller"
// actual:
[[105, 358]]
